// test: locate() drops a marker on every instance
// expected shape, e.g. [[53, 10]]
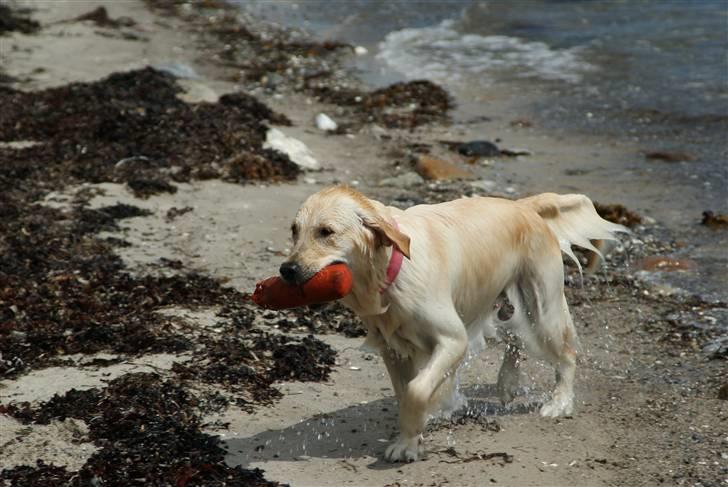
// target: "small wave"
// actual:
[[444, 54]]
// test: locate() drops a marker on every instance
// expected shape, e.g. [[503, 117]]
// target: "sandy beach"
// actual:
[[141, 204]]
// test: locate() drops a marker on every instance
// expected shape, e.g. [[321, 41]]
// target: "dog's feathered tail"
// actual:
[[574, 221]]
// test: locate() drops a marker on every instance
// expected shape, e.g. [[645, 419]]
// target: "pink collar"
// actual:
[[395, 264]]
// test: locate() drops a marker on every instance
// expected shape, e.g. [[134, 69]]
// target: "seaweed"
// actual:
[[247, 363], [131, 127], [257, 57], [146, 428], [401, 105], [617, 213], [10, 21], [64, 291]]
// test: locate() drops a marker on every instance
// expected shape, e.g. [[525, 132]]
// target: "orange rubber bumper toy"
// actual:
[[329, 284]]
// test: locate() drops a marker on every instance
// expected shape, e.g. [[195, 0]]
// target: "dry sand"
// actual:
[[640, 407]]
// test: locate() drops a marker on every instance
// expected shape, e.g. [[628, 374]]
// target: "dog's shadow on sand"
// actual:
[[357, 431]]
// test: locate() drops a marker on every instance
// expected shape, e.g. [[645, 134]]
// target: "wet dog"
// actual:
[[426, 280]]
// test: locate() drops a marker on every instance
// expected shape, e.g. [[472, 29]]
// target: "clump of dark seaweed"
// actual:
[[401, 105], [41, 474], [618, 214], [64, 291], [15, 21], [105, 218], [146, 428], [278, 60], [247, 363], [258, 56], [319, 319], [308, 360], [132, 128]]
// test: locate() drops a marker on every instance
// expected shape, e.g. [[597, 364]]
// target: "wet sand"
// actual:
[[648, 410]]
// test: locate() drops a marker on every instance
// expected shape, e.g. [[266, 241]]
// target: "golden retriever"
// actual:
[[424, 311]]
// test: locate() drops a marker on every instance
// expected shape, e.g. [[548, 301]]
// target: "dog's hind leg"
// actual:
[[562, 347], [549, 330]]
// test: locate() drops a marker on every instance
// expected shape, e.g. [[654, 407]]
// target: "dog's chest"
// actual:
[[400, 345], [385, 333]]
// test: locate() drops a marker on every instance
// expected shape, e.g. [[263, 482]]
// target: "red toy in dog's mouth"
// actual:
[[329, 284]]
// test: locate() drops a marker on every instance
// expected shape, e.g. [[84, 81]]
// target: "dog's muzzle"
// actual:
[[290, 272]]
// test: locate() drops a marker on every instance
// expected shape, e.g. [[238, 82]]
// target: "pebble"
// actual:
[[439, 170], [481, 148], [713, 220], [325, 123], [717, 348], [484, 184], [178, 70], [406, 180], [296, 150], [663, 263], [666, 156]]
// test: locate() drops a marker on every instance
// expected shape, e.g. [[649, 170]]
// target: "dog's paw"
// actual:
[[560, 405], [404, 450]]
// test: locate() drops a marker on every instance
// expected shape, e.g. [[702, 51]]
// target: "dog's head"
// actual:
[[338, 224]]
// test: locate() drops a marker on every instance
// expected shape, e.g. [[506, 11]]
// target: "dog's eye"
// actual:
[[294, 231], [325, 232]]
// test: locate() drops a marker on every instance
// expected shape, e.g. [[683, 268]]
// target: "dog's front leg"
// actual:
[[415, 397]]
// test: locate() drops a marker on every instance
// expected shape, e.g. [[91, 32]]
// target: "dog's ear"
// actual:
[[386, 233]]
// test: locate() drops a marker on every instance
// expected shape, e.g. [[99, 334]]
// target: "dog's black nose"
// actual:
[[290, 272]]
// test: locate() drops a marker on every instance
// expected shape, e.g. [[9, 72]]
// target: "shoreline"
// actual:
[[631, 388], [646, 164]]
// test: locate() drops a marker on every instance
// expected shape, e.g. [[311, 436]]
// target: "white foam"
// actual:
[[443, 54]]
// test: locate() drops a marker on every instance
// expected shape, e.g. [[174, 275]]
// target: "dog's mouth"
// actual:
[[302, 275], [306, 276]]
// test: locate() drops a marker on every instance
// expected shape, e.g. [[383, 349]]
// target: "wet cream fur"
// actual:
[[461, 255]]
